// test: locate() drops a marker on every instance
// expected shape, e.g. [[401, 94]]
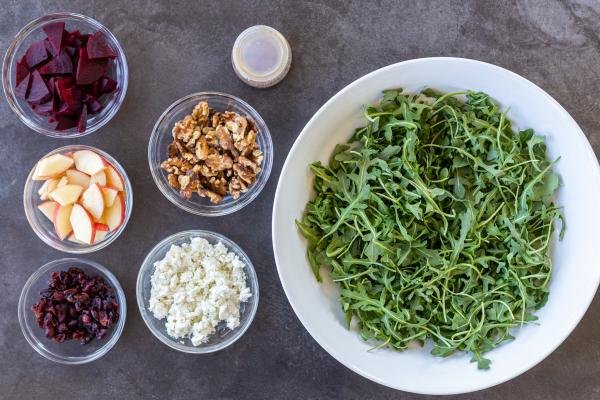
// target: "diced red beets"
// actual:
[[21, 71], [63, 83], [71, 96], [54, 32], [74, 39], [65, 123], [44, 109], [94, 89], [49, 48], [38, 92], [82, 123], [71, 51], [58, 65], [36, 53], [72, 103], [60, 80], [88, 70], [94, 106], [22, 89], [97, 47], [50, 83], [84, 38]]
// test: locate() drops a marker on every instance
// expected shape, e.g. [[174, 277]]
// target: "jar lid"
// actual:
[[261, 56]]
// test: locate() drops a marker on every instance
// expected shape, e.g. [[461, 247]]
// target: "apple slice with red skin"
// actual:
[[99, 178], [67, 194], [110, 194], [48, 208], [113, 178], [83, 225], [62, 222], [101, 231], [115, 214], [73, 239], [88, 162], [93, 200], [77, 177], [52, 165]]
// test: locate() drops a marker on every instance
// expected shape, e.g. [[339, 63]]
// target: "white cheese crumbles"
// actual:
[[195, 287]]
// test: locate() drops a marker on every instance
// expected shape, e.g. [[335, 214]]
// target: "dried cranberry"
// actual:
[[76, 307]]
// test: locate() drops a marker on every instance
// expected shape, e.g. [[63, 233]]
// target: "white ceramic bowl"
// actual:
[[576, 258]]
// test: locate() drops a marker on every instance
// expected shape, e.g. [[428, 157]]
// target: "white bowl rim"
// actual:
[[332, 351]]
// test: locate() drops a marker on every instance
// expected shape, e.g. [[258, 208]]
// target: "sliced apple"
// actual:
[[114, 179], [93, 200], [88, 162], [76, 177], [62, 223], [84, 227], [110, 195], [73, 239], [99, 178], [67, 194], [101, 232], [48, 208], [62, 182], [115, 214], [52, 165], [47, 187]]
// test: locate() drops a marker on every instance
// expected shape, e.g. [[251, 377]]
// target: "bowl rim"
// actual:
[[251, 275], [8, 60], [102, 350], [278, 257], [65, 245], [220, 209]]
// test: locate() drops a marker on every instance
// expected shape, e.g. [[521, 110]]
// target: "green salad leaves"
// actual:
[[436, 219]]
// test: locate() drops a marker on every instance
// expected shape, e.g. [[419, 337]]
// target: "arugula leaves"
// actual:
[[436, 220]]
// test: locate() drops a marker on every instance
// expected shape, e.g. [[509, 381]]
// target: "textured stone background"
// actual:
[[178, 47]]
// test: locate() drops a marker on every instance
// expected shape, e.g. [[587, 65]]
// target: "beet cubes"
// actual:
[[64, 76], [76, 306]]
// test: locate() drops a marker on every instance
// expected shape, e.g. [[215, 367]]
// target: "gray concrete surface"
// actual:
[[178, 47]]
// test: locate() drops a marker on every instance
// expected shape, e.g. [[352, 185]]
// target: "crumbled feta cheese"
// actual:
[[196, 286]]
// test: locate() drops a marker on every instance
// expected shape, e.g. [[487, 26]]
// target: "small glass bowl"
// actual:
[[223, 336], [68, 352], [45, 229], [161, 138], [33, 32]]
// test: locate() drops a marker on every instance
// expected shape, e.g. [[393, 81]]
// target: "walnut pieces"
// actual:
[[213, 154]]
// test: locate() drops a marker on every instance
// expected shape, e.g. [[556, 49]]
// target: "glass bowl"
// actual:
[[33, 32], [161, 137], [223, 336], [44, 228], [68, 352]]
